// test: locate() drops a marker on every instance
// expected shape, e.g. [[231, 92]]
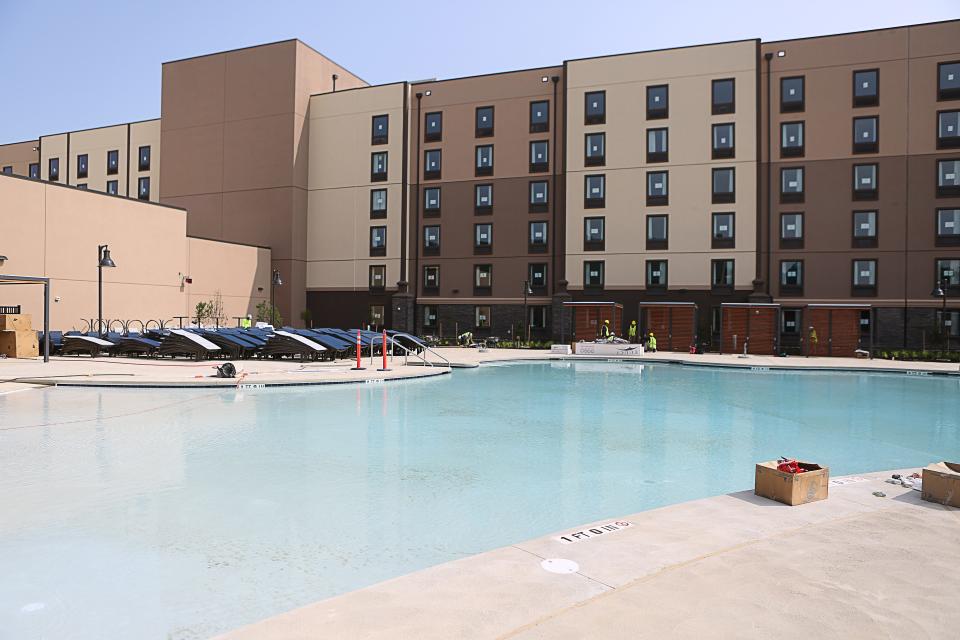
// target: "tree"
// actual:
[[204, 311], [264, 312]]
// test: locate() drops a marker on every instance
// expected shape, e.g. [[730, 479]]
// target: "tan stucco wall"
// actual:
[[339, 186], [55, 232], [688, 72], [19, 155]]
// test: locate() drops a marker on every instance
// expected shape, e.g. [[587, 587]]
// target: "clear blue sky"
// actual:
[[79, 64]]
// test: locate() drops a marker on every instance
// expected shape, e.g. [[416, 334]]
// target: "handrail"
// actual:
[[425, 348]]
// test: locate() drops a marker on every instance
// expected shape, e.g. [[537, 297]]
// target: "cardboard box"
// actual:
[[19, 344], [941, 483], [17, 322], [792, 488]]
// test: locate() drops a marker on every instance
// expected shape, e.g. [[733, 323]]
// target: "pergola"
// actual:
[[5, 279]]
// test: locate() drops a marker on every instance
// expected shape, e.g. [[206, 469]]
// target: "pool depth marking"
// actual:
[[593, 532]]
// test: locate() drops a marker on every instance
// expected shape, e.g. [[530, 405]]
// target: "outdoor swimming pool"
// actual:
[[180, 514]]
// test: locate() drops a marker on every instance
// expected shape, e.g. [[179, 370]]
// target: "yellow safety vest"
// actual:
[[632, 332]]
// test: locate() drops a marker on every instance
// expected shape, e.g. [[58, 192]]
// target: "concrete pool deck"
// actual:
[[851, 566]]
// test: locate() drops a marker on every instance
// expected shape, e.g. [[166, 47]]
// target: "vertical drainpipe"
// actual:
[[769, 131], [404, 187], [553, 191], [416, 234], [906, 198]]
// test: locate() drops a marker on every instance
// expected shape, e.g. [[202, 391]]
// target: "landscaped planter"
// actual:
[[792, 488]]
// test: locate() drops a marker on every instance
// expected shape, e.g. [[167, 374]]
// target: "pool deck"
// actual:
[[851, 566]]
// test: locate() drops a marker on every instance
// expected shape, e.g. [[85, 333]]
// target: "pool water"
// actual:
[[181, 514]]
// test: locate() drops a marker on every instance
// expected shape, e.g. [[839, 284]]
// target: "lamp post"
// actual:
[[103, 260], [526, 314], [940, 291], [275, 282]]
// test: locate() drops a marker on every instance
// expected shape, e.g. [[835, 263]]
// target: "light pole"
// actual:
[[940, 291], [526, 314], [275, 282], [103, 260]]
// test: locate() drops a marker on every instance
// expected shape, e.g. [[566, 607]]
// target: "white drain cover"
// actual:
[[560, 565], [32, 606]]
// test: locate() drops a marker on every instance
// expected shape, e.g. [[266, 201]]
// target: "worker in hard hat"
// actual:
[[632, 331], [652, 343], [605, 330], [246, 323]]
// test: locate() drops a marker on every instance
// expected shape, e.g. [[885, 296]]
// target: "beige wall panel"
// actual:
[[258, 153], [203, 174], [258, 81], [145, 134], [240, 273], [330, 274], [23, 212], [247, 219], [95, 143], [314, 75], [20, 155], [853, 48], [53, 147], [193, 92], [935, 39]]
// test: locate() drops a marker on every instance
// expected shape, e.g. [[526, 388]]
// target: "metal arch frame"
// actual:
[[7, 279]]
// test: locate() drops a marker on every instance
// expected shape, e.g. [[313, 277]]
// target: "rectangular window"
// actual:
[[657, 145], [483, 237], [656, 274], [866, 88], [483, 198], [722, 141], [791, 277], [538, 317], [431, 277], [865, 181], [482, 317], [721, 274], [657, 192], [864, 229], [378, 166], [113, 187], [593, 234], [791, 94], [378, 203], [484, 165], [82, 166], [948, 269], [483, 276], [113, 162], [724, 185], [723, 232], [595, 149], [379, 129], [431, 239], [143, 188], [378, 276], [595, 107], [864, 277], [432, 164], [948, 178], [82, 185], [484, 122], [658, 103], [431, 201], [538, 196], [378, 241], [790, 322], [791, 230], [657, 232], [791, 184], [948, 227], [948, 129], [594, 193], [723, 96], [866, 134], [433, 127], [8, 170], [53, 169], [429, 316], [143, 159], [539, 116], [593, 274], [376, 315], [538, 275], [948, 80], [951, 322], [34, 170], [791, 139], [538, 237], [539, 156]]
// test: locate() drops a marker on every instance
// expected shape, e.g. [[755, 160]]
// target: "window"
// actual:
[[593, 274], [379, 129], [378, 241], [34, 170], [790, 322], [484, 122], [594, 191], [143, 161], [864, 228], [483, 276], [791, 94], [657, 193], [791, 230], [791, 276], [538, 196], [593, 234], [948, 129], [483, 198], [429, 316], [658, 106], [724, 185], [866, 134], [539, 116], [657, 232], [948, 80], [482, 315], [433, 127], [864, 276], [951, 322], [376, 315], [791, 139], [431, 277], [432, 164], [538, 275], [431, 200], [484, 160], [113, 162], [866, 88], [143, 188], [865, 181], [722, 144], [723, 232], [656, 274], [8, 170], [113, 187], [82, 165], [948, 178], [721, 274], [538, 317], [53, 169], [483, 237], [378, 276], [378, 203], [595, 149], [948, 227], [948, 269], [595, 107], [657, 145], [431, 239], [538, 237], [539, 156], [82, 185], [723, 96], [791, 184], [378, 168]]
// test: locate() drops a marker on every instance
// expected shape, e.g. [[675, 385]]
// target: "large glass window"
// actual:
[[721, 274], [538, 274], [431, 200], [433, 126], [432, 164], [657, 145], [483, 236], [538, 235], [866, 88], [484, 158], [791, 273], [595, 107], [948, 129], [431, 237], [594, 191], [791, 94], [378, 166], [539, 156], [791, 139], [723, 96], [593, 236], [143, 163], [866, 134], [593, 273], [378, 276], [865, 274], [82, 166], [656, 274], [539, 116], [483, 276], [948, 80], [948, 178], [722, 140], [791, 184], [483, 197], [379, 129], [378, 241], [658, 102], [113, 162], [539, 194], [595, 149], [657, 232], [378, 203], [948, 226], [724, 185], [865, 181], [484, 122], [657, 192], [722, 231]]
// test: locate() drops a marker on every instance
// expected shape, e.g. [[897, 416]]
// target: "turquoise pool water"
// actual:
[[180, 514]]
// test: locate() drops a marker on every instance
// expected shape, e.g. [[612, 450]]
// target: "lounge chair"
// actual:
[[181, 342], [286, 343], [79, 344]]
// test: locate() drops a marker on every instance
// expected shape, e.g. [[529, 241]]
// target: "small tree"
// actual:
[[267, 313], [307, 318], [204, 311], [216, 307]]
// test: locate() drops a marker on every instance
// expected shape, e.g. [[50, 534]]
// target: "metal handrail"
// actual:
[[426, 349]]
